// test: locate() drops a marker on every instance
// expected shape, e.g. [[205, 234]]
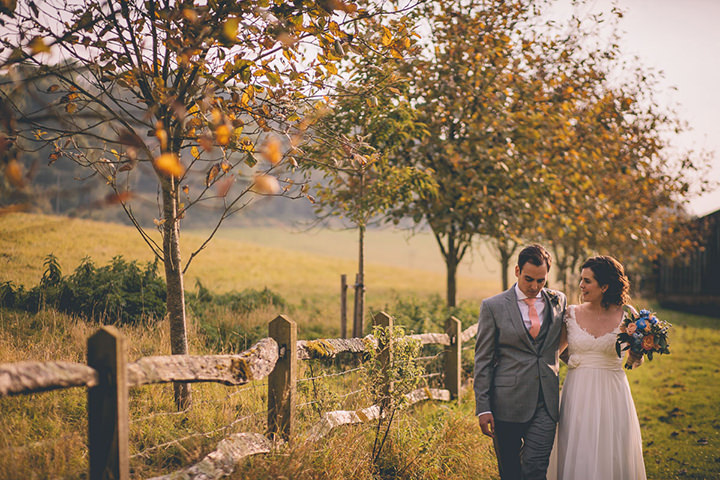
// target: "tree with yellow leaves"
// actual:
[[211, 98]]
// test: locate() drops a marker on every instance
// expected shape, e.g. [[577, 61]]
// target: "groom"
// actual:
[[516, 368]]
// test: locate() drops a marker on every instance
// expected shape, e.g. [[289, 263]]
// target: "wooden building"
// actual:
[[691, 282]]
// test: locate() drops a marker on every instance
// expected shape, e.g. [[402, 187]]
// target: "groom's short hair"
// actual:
[[535, 254]]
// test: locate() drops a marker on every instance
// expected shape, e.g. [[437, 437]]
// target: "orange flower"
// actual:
[[623, 329], [631, 328], [648, 342]]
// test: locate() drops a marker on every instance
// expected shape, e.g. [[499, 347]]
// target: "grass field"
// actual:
[[297, 265], [43, 435]]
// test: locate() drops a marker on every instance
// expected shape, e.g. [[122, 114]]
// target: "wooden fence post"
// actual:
[[281, 382], [343, 306], [453, 357], [108, 406], [382, 319]]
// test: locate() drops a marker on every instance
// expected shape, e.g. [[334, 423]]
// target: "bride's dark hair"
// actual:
[[610, 272]]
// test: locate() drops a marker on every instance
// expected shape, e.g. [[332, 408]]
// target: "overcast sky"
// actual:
[[681, 38]]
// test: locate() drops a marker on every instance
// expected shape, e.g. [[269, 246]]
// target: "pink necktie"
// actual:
[[534, 319]]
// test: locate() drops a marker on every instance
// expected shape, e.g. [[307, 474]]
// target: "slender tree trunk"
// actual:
[[174, 280], [359, 314], [451, 264], [506, 249], [561, 260]]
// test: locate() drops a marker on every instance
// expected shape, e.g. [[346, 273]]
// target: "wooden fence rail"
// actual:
[[108, 376]]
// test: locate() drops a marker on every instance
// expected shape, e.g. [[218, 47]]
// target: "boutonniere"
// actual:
[[554, 297]]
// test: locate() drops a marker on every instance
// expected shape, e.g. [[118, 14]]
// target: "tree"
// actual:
[[366, 123], [211, 99], [614, 184], [532, 129], [461, 90]]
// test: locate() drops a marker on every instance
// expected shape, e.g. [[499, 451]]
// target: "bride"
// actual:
[[598, 434]]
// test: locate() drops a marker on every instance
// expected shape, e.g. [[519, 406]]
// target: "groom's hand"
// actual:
[[487, 424]]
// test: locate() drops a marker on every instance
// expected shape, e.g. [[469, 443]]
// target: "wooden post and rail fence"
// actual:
[[108, 376]]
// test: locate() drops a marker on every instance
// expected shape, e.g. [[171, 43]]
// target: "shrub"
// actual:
[[224, 320], [428, 314], [120, 292]]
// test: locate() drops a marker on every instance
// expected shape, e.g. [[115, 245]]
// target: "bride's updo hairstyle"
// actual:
[[610, 272]]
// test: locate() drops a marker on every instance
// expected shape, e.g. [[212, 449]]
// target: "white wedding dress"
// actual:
[[598, 435]]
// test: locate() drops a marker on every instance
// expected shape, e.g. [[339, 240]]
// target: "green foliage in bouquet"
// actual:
[[642, 333]]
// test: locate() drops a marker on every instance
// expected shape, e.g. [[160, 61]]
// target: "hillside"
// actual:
[[297, 265]]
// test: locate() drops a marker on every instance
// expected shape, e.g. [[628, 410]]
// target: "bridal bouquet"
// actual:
[[643, 334]]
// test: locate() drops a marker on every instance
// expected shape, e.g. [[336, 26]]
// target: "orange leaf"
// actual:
[[265, 184], [211, 174], [121, 197], [206, 142], [271, 151], [162, 136], [223, 185], [13, 172], [169, 163], [222, 134]]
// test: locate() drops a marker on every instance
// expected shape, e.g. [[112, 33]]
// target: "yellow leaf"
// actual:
[[190, 14], [37, 45], [331, 68], [195, 152], [161, 135], [230, 28], [222, 134], [70, 108], [169, 163], [386, 38]]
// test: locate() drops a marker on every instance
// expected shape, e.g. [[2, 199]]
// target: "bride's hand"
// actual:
[[634, 360]]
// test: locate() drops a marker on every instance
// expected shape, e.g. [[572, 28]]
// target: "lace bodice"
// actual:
[[587, 351]]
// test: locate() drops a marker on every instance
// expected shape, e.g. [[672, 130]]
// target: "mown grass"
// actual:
[[678, 401], [44, 435]]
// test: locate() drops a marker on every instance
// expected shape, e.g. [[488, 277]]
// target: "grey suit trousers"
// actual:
[[523, 449]]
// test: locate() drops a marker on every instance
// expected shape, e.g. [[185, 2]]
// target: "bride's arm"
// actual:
[[563, 344]]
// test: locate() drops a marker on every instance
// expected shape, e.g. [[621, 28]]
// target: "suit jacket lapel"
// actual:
[[513, 313], [550, 317]]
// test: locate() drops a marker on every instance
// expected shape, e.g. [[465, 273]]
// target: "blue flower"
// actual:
[[641, 324], [653, 320], [644, 313]]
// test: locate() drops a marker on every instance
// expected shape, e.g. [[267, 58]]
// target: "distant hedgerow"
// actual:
[[120, 292]]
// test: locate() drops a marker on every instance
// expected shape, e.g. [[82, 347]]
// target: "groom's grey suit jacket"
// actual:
[[511, 369]]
